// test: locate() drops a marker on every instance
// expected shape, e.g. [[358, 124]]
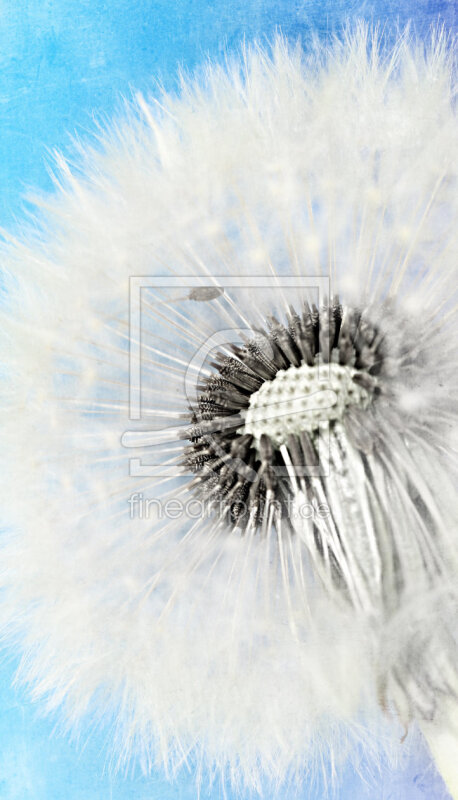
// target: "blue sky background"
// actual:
[[63, 60], [61, 63]]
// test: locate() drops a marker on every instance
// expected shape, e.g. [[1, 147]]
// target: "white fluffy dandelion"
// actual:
[[229, 421]]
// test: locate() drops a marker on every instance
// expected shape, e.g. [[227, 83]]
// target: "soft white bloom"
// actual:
[[254, 623]]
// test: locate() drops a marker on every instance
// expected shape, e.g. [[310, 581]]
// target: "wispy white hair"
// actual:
[[195, 645]]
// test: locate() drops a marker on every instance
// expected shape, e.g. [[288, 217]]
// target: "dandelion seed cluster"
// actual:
[[272, 385], [256, 642]]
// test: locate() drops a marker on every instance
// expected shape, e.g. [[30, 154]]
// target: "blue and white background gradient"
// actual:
[[64, 63]]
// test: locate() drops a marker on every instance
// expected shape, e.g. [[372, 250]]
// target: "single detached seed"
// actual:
[[204, 293]]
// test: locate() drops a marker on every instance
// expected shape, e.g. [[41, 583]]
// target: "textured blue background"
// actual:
[[61, 61]]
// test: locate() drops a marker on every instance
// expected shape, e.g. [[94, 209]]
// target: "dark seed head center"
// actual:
[[278, 390]]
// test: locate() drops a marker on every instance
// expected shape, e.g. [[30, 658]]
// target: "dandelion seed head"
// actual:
[[223, 598], [285, 385]]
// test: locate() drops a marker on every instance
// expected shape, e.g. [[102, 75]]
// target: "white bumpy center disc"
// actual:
[[302, 399]]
